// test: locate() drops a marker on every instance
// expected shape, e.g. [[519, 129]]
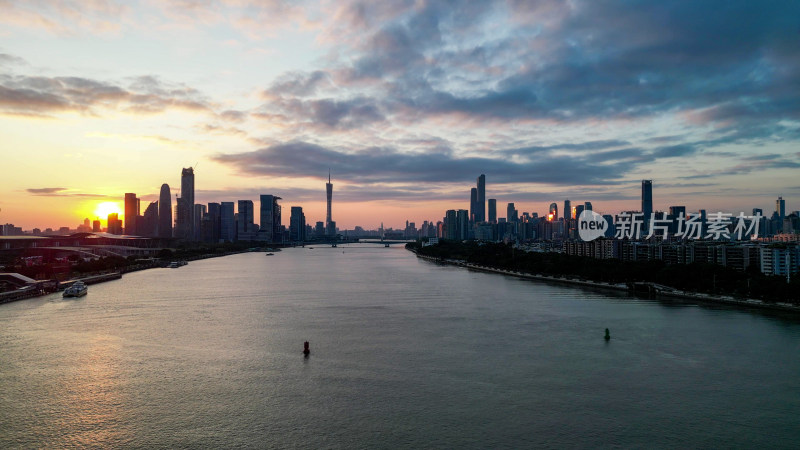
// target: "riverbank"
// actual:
[[47, 287], [660, 291]]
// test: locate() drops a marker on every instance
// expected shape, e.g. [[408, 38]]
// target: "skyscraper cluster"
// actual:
[[219, 222], [214, 222]]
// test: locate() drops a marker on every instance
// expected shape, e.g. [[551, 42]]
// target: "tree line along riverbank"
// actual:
[[696, 277]]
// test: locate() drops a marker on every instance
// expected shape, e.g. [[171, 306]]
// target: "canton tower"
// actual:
[[329, 190]]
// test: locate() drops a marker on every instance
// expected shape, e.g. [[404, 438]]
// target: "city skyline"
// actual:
[[132, 203], [406, 104]]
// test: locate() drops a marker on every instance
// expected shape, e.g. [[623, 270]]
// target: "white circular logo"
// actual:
[[591, 225]]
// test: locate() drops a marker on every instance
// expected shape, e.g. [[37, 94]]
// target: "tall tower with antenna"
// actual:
[[328, 221]]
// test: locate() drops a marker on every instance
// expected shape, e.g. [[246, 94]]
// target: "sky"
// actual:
[[405, 102]]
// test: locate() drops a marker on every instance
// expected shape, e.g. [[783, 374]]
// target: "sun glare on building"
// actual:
[[102, 210]]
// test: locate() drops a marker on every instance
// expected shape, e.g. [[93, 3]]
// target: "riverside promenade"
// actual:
[[659, 291]]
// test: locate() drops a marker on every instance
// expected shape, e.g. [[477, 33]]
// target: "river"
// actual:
[[405, 353]]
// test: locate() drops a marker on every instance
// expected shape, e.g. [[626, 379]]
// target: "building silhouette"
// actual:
[[210, 225], [245, 228], [185, 222], [492, 210], [164, 212], [131, 213], [297, 225], [480, 211], [579, 210], [462, 222], [553, 213], [227, 226], [197, 217], [114, 224], [147, 225], [647, 198], [473, 205], [567, 214], [270, 216], [511, 213], [450, 225], [329, 227]]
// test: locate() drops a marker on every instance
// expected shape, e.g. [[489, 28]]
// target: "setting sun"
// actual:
[[105, 208]]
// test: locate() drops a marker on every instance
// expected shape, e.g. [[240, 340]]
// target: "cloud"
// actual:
[[298, 84], [326, 113], [36, 95], [233, 115], [388, 165], [8, 60], [60, 192], [67, 17], [45, 191]]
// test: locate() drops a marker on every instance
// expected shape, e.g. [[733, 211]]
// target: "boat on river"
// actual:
[[78, 289]]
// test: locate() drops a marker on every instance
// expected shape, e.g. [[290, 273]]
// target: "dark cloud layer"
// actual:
[[42, 96], [387, 165], [731, 63]]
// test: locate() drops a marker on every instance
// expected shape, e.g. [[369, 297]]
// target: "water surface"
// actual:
[[405, 353]]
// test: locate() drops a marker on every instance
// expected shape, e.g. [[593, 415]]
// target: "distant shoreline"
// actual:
[[9, 297], [620, 287]]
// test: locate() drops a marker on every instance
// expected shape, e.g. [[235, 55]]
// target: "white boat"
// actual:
[[78, 289]]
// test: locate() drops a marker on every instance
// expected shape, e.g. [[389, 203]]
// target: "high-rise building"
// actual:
[[647, 199], [148, 226], [227, 226], [319, 230], [271, 218], [462, 222], [329, 193], [211, 225], [567, 210], [185, 221], [198, 214], [450, 225], [245, 228], [179, 230], [164, 212], [780, 208], [553, 214], [480, 210], [96, 226], [297, 225], [492, 210], [131, 213], [473, 205], [114, 224], [676, 211], [587, 206], [511, 213]]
